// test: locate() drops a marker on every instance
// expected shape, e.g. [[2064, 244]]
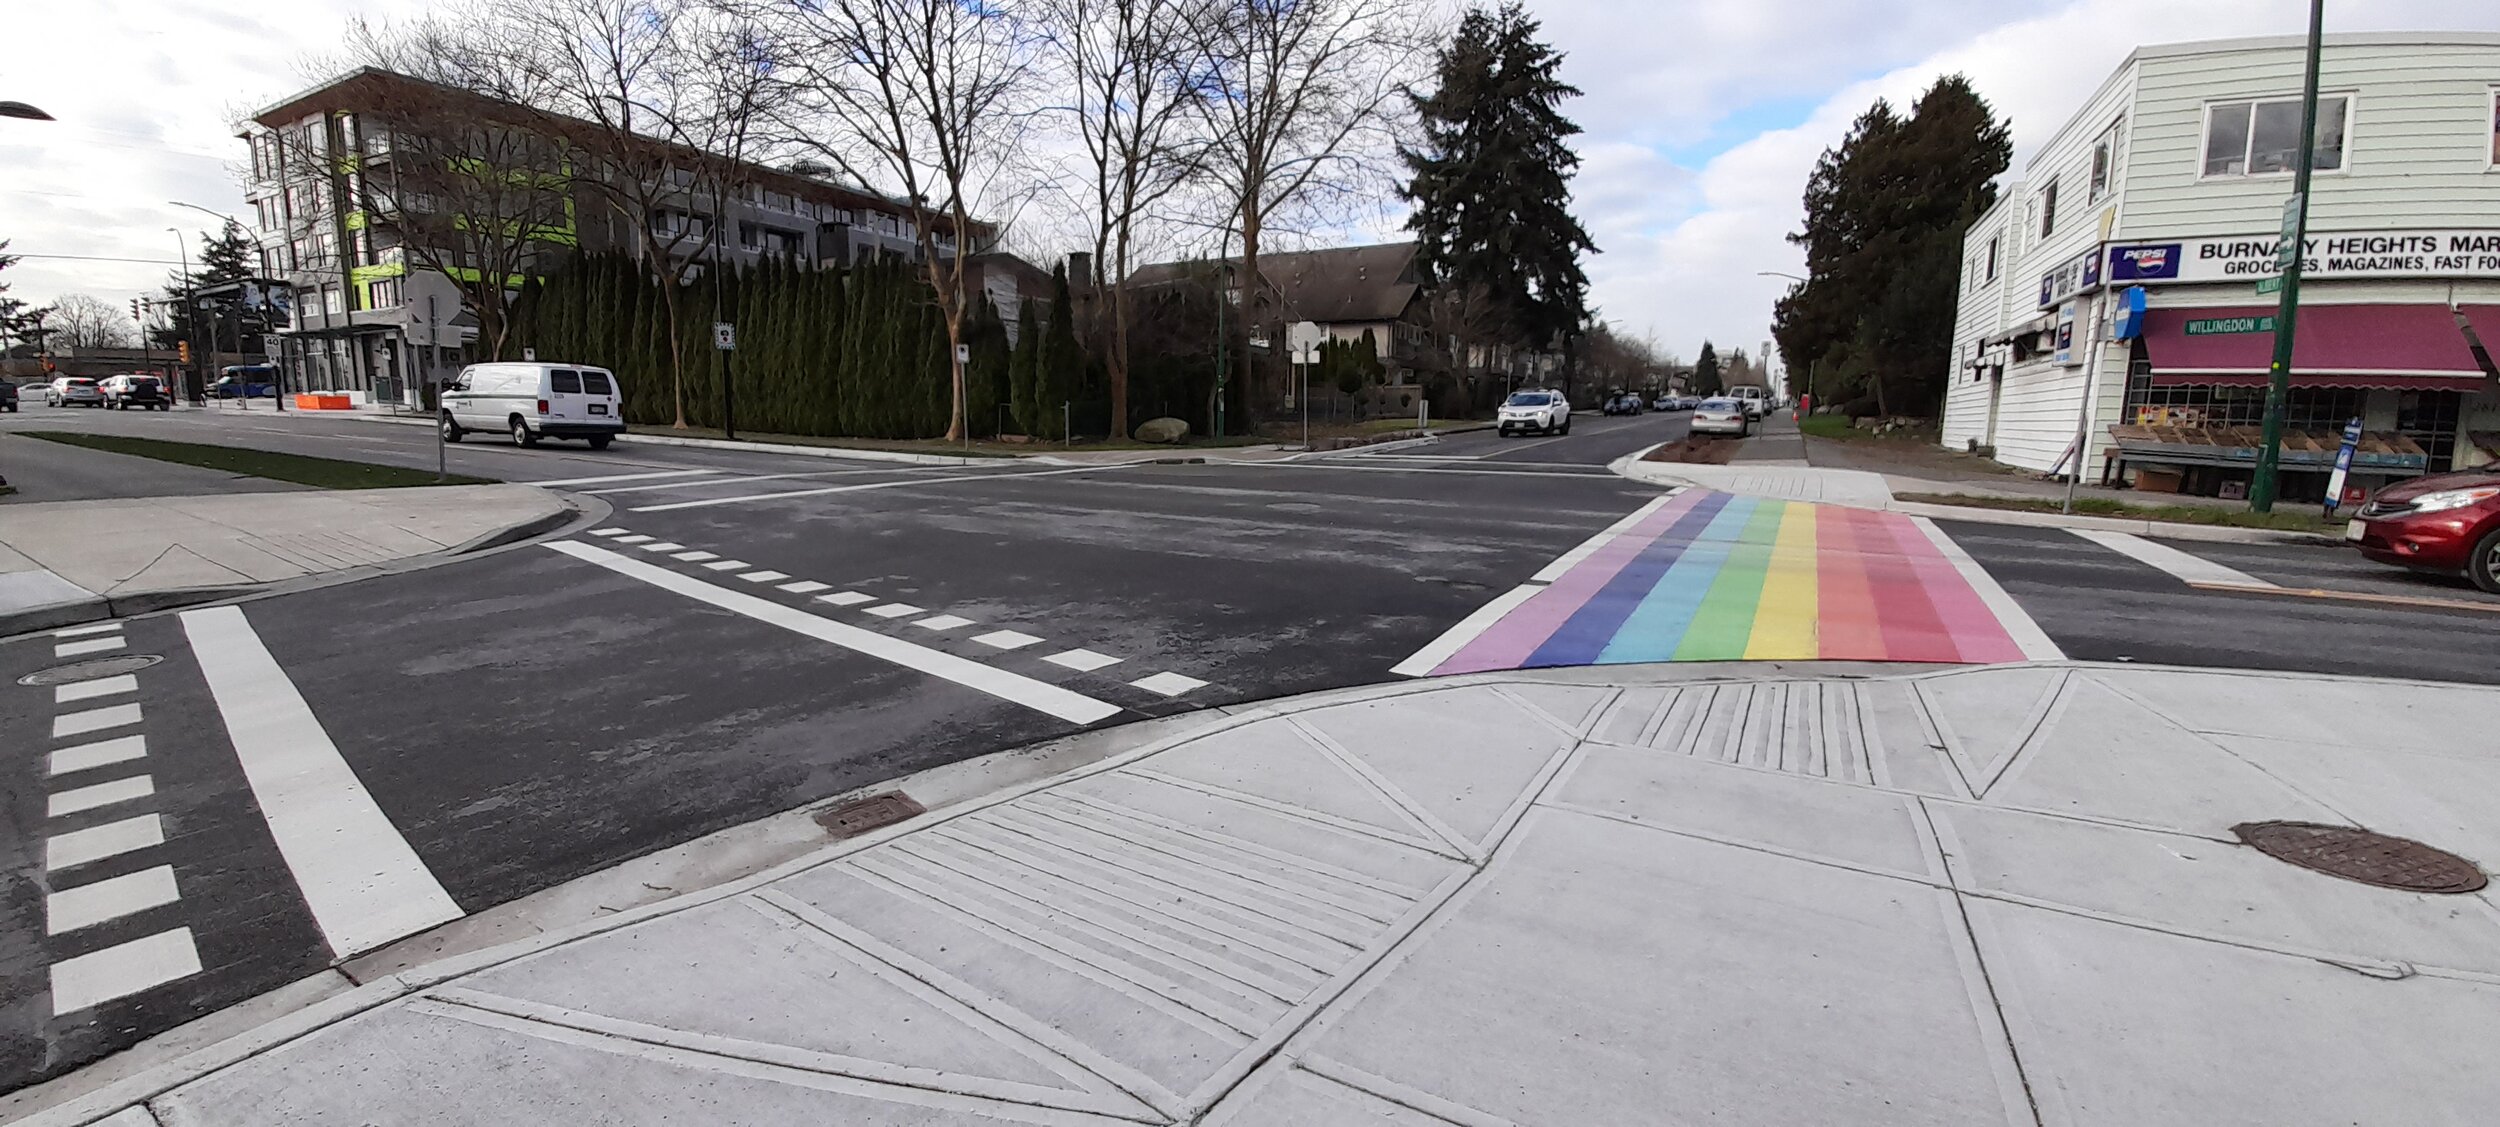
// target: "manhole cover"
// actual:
[[90, 670], [876, 811], [2357, 854]]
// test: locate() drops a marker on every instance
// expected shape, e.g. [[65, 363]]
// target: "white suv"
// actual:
[[1545, 412]]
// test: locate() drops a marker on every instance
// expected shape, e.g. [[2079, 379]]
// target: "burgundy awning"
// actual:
[[2394, 346]]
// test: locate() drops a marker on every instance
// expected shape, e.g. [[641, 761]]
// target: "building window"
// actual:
[[2104, 162], [2262, 138], [2495, 127], [2048, 210], [385, 293], [330, 300], [1996, 246]]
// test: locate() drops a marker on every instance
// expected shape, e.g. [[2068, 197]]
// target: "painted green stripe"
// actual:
[[1724, 625]]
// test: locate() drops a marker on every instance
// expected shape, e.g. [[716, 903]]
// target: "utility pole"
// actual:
[[2261, 491], [434, 377], [190, 305]]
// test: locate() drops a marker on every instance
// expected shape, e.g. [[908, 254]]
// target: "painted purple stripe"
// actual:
[[1584, 635], [1519, 633]]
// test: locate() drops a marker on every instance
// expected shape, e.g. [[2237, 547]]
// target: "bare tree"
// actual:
[[449, 156], [1133, 84], [654, 100], [1296, 104], [920, 98], [80, 320]]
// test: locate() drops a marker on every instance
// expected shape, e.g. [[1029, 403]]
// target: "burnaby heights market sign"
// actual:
[[2434, 253]]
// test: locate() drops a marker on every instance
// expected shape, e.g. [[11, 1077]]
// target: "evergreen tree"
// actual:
[[1490, 184], [18, 321], [1024, 369], [1885, 214], [1706, 371], [1063, 359]]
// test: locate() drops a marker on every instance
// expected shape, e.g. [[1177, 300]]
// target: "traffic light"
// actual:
[[134, 312], [184, 347]]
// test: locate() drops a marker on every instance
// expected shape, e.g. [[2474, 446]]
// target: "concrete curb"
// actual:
[[37, 619], [1661, 473], [199, 1063]]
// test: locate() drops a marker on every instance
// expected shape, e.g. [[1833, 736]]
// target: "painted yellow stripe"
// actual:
[[1783, 625]]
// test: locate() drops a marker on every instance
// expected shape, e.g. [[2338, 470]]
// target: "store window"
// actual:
[[2262, 137], [2048, 210], [2105, 162], [2429, 418]]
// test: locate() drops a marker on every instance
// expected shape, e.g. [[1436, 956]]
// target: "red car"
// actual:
[[2447, 523]]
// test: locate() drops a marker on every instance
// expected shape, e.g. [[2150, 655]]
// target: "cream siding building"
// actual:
[[2173, 176]]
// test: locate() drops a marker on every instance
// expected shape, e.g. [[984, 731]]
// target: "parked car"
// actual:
[[1722, 415], [245, 381], [1625, 404], [144, 392], [73, 391], [2445, 523], [534, 401], [1669, 403], [1545, 412], [8, 396]]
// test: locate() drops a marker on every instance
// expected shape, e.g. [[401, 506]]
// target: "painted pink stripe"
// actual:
[[1977, 635], [1509, 642]]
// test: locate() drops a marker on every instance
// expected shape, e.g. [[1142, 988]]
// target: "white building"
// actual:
[[2173, 177]]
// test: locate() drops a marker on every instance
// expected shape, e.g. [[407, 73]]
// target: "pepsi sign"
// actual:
[[2157, 262]]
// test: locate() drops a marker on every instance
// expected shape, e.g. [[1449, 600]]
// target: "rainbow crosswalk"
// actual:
[[1709, 576]]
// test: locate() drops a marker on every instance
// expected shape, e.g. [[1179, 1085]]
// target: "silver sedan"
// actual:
[[1722, 416]]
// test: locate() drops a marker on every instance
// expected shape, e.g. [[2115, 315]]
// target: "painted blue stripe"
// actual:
[[1655, 628], [1579, 639]]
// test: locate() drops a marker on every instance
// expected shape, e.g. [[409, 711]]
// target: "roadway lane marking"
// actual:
[[102, 794], [88, 757], [1455, 638], [112, 839], [1007, 639], [765, 576], [804, 587], [94, 720], [694, 557], [562, 482], [943, 622], [637, 538], [896, 610], [1571, 559], [610, 531], [89, 646], [89, 631], [831, 489], [726, 565], [846, 598], [89, 690], [711, 481], [1082, 660], [663, 546], [1595, 473], [87, 905], [2026, 634], [1168, 684], [122, 970], [2186, 568], [1040, 696], [363, 882]]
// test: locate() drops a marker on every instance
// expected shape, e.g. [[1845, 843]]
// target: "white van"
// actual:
[[1756, 400], [534, 401]]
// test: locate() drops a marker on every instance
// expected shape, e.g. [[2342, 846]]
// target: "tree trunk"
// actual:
[[1250, 290], [954, 314], [1116, 358]]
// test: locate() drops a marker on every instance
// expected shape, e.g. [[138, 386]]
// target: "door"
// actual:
[[599, 397], [564, 397]]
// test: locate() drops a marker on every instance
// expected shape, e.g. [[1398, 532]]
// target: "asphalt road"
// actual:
[[525, 717]]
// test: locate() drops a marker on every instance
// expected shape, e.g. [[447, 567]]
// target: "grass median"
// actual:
[[2295, 521], [302, 469]]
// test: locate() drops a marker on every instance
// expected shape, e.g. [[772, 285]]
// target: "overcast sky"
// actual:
[[1702, 116]]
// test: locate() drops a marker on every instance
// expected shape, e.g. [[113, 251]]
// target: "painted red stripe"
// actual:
[[1973, 628], [1913, 631], [1848, 629]]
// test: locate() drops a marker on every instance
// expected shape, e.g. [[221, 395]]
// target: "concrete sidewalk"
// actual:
[[73, 561], [1814, 895]]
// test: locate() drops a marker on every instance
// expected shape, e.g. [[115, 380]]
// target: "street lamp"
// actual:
[[22, 110], [1778, 274]]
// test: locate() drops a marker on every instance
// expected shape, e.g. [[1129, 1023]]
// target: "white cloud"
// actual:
[[1698, 279]]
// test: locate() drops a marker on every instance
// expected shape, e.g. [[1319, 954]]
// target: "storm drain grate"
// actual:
[[2358, 854], [876, 811], [90, 670]]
